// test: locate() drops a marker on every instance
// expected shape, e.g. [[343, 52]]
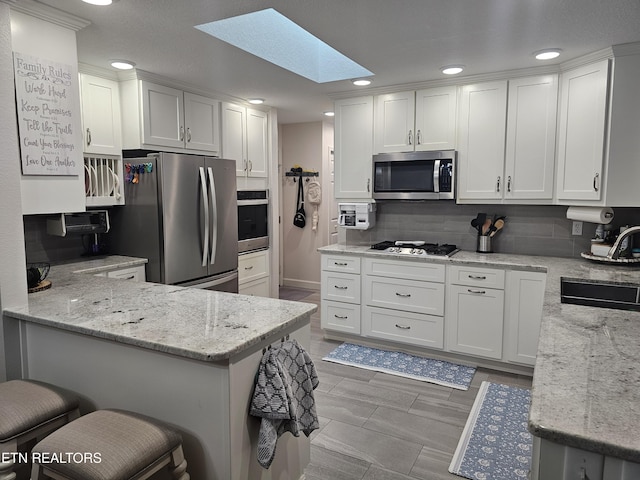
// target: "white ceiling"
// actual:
[[401, 41]]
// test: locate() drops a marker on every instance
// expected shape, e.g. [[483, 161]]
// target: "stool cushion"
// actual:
[[126, 442], [25, 404]]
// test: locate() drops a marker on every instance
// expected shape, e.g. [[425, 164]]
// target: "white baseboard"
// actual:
[[295, 283]]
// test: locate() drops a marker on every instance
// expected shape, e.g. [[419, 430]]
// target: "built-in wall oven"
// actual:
[[253, 220]]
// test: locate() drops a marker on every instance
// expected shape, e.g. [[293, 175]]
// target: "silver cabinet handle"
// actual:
[[131, 277], [88, 137], [340, 287], [481, 292], [418, 135], [498, 185], [403, 327], [368, 185], [403, 295], [246, 165], [340, 264], [509, 183], [250, 267], [410, 137], [595, 181], [188, 134], [341, 317], [181, 132], [250, 165], [478, 277]]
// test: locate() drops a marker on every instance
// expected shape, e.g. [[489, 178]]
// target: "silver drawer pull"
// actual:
[[131, 277], [341, 317], [340, 264], [339, 287], [403, 327], [403, 295], [481, 292], [249, 267], [478, 277]]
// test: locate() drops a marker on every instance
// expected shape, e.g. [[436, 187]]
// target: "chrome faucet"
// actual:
[[614, 251]]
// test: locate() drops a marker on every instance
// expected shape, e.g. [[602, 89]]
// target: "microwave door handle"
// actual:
[[214, 216], [205, 202], [436, 176]]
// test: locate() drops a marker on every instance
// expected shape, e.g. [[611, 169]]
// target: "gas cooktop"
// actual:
[[416, 248]]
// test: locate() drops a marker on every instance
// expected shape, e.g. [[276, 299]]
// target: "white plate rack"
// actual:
[[103, 180]]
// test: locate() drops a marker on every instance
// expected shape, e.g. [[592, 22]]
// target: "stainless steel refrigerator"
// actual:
[[181, 214]]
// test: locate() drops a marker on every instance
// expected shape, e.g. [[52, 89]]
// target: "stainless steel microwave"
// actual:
[[414, 175]]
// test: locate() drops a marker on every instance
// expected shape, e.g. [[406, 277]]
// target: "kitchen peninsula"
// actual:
[[182, 355], [586, 381]]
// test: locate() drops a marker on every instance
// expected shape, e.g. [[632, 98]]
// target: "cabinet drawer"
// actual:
[[256, 288], [340, 263], [428, 272], [136, 274], [476, 277], [341, 287], [405, 327], [407, 295], [343, 317], [252, 266]]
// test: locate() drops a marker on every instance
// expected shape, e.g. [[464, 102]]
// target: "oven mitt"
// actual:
[[300, 218]]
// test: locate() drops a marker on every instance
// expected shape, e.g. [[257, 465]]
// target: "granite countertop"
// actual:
[[198, 324], [586, 381]]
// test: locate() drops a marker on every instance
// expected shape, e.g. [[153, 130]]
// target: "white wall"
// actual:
[[307, 145], [13, 281]]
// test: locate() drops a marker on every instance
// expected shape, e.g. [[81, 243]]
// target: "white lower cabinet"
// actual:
[[475, 311], [253, 274], [340, 291], [339, 316], [403, 327], [137, 274]]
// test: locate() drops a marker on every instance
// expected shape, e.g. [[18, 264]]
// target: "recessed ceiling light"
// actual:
[[329, 114], [122, 64], [99, 2], [452, 69], [256, 101], [548, 54], [361, 82]]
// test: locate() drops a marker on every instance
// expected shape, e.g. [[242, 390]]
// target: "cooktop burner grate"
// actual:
[[414, 248]]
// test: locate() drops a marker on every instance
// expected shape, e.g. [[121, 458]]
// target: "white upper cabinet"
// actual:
[[415, 121], [244, 139], [581, 135], [481, 141], [531, 138], [100, 99], [353, 136], [159, 116]]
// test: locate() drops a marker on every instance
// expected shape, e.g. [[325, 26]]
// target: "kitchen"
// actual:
[[546, 224]]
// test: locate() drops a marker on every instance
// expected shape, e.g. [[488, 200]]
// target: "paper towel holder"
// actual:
[[599, 215]]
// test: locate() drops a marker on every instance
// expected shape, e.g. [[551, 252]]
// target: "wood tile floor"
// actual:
[[375, 426]]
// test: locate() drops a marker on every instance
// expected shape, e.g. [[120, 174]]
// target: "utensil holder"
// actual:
[[484, 244]]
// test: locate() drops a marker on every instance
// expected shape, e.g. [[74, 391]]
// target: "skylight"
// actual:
[[273, 37]]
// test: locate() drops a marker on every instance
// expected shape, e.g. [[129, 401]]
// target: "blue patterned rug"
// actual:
[[495, 443], [404, 365]]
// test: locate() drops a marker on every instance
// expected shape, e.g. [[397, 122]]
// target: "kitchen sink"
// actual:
[[600, 293]]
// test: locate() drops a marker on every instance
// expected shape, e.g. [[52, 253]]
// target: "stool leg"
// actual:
[[178, 465]]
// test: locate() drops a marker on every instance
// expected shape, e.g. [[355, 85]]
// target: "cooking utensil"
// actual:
[[498, 224], [485, 226]]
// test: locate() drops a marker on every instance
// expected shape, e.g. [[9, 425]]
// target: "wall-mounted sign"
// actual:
[[48, 116]]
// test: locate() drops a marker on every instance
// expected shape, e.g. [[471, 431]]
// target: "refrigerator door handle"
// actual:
[[214, 216], [205, 201]]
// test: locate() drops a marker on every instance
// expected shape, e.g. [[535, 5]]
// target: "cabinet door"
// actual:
[[255, 288], [583, 97], [523, 314], [394, 122], [202, 121], [100, 115], [342, 317], [531, 138], [234, 134], [162, 115], [474, 319], [436, 110], [256, 143], [483, 113], [353, 148]]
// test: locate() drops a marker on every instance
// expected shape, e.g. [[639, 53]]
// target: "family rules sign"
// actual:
[[48, 114]]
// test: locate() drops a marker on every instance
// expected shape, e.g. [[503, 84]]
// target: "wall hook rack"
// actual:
[[301, 174]]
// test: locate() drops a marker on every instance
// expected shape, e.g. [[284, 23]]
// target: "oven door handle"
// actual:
[[436, 176], [214, 216], [205, 201], [263, 201]]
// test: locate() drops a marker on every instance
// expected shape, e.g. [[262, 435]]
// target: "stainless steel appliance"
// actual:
[[181, 214], [414, 175], [361, 216], [253, 220], [416, 248]]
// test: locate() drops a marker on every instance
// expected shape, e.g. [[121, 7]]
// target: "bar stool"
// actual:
[[29, 410], [110, 445]]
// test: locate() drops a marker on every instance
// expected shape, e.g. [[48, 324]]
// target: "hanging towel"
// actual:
[[283, 397], [314, 194]]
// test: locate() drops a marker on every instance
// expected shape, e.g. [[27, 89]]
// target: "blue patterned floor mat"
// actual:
[[495, 443], [404, 365]]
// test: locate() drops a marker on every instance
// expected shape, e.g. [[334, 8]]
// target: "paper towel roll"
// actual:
[[601, 215]]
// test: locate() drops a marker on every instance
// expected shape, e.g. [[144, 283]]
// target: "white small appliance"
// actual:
[[361, 216]]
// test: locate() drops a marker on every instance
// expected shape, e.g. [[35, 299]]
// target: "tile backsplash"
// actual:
[[42, 247], [528, 230]]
